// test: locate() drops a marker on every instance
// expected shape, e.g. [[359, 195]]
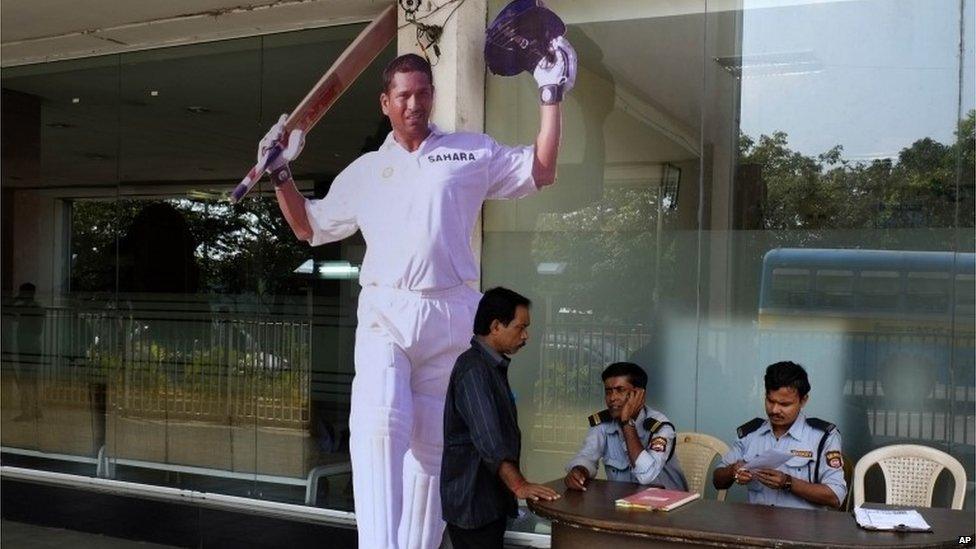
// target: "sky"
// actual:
[[885, 73]]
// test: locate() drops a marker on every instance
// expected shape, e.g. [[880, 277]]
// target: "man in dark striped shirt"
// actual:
[[480, 477]]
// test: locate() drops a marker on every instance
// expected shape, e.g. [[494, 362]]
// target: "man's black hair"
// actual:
[[635, 374], [787, 374], [497, 304], [408, 62]]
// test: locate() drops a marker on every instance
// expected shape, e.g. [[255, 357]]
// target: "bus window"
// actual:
[[878, 290], [927, 292], [790, 288], [966, 296], [835, 289]]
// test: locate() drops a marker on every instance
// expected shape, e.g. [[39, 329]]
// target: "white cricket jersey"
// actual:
[[417, 210]]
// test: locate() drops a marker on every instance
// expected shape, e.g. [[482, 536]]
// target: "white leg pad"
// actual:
[[422, 526], [380, 423]]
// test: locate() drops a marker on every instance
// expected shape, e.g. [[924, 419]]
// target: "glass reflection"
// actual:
[[181, 343], [824, 213], [53, 402]]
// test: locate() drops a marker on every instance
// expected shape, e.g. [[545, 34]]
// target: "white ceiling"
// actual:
[[101, 123], [118, 131], [33, 31]]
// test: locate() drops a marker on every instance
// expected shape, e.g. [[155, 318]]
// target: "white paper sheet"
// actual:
[[770, 459], [891, 519]]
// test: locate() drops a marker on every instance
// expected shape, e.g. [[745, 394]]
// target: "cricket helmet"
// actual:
[[519, 37]]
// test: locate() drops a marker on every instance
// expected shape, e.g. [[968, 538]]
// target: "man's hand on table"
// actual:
[[535, 492], [576, 478]]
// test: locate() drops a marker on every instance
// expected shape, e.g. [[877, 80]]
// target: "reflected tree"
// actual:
[[238, 249], [927, 186], [607, 248]]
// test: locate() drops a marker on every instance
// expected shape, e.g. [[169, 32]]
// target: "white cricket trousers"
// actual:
[[406, 345]]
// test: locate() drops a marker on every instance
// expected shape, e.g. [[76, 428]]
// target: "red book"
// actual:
[[657, 499]]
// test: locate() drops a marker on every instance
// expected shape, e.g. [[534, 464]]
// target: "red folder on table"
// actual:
[[657, 499]]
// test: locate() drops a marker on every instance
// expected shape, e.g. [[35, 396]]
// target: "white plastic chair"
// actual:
[[910, 472], [695, 452]]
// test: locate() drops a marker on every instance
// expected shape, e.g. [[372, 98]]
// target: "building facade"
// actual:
[[740, 182]]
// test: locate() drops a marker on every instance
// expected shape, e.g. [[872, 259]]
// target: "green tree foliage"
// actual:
[[926, 187], [247, 249]]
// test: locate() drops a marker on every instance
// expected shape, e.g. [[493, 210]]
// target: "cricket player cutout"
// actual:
[[416, 200]]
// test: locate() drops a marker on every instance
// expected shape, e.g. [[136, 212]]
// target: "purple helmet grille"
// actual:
[[519, 37]]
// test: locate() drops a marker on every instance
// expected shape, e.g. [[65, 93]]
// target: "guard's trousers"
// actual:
[[406, 345]]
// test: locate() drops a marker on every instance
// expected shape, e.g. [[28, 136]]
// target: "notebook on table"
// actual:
[[657, 499]]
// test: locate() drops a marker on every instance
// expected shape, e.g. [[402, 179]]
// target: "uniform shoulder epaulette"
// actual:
[[652, 425], [821, 424], [603, 416], [827, 427], [749, 427]]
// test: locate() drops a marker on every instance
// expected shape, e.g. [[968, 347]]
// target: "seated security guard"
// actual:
[[814, 476], [635, 442]]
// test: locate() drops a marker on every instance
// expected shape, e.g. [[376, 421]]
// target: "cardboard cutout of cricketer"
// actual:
[[416, 200]]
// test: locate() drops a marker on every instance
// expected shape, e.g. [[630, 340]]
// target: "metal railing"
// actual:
[[216, 366], [572, 357], [899, 386]]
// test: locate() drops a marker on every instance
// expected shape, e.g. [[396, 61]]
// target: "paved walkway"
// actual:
[[17, 535]]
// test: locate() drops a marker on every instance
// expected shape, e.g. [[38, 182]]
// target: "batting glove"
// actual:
[[276, 159], [556, 72]]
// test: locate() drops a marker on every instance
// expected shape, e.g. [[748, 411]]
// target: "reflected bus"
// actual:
[[889, 333]]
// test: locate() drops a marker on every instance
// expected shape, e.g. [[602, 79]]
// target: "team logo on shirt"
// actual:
[[452, 157], [658, 444], [387, 172], [802, 453], [834, 459]]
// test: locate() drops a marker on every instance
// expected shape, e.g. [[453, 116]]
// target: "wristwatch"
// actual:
[[630, 422], [550, 94], [788, 485], [281, 175]]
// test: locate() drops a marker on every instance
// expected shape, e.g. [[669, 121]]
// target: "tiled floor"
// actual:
[[17, 535]]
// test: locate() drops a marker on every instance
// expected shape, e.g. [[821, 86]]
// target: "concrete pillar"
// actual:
[[459, 71], [32, 219]]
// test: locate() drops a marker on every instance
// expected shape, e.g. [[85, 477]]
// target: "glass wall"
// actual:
[[742, 183], [152, 332]]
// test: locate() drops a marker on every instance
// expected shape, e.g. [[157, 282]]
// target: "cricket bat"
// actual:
[[350, 64]]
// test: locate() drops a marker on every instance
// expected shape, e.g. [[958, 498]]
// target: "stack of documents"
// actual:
[[889, 519], [770, 459]]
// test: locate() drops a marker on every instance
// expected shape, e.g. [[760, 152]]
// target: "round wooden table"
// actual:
[[590, 520]]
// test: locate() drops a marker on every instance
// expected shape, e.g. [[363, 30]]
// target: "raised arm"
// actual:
[[291, 202], [314, 221], [292, 205], [555, 76], [547, 145]]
